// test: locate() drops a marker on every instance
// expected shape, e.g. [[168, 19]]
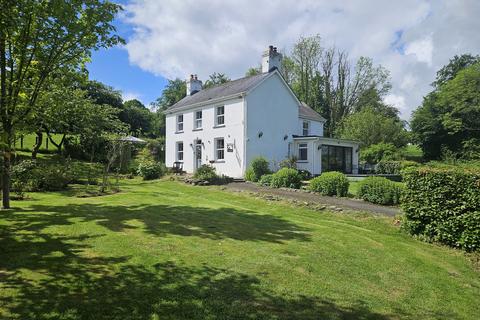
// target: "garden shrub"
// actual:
[[330, 184], [442, 204], [250, 175], [266, 180], [380, 190], [206, 173], [258, 167], [286, 178], [31, 176], [149, 169]]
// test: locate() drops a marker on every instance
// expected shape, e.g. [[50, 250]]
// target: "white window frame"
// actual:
[[307, 129], [302, 146], [197, 122], [180, 123], [219, 116], [217, 149], [179, 152]]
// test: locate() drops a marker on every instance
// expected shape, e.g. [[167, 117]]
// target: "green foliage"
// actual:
[[454, 66], [206, 172], [449, 117], [32, 176], [442, 204], [138, 117], [286, 178], [150, 169], [305, 174], [290, 162], [258, 167], [394, 167], [371, 127], [378, 152], [380, 190], [215, 79], [330, 184], [266, 180]]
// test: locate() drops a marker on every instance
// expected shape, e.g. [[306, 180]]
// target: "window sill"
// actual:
[[177, 132], [198, 129], [219, 161], [302, 161], [219, 126]]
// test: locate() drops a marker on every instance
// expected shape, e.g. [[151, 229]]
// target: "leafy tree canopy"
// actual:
[[103, 94], [449, 117], [215, 79]]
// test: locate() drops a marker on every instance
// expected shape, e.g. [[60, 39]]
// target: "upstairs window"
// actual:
[[303, 152], [220, 116], [179, 151], [219, 149], [197, 120], [306, 128], [180, 123]]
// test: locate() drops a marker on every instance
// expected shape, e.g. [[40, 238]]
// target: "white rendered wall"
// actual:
[[272, 112], [232, 132], [315, 129]]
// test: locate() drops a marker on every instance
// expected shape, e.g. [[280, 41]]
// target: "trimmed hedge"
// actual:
[[380, 190], [286, 178], [258, 167], [330, 184], [443, 205]]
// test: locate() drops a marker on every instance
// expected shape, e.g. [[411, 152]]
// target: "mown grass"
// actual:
[[30, 139], [165, 250]]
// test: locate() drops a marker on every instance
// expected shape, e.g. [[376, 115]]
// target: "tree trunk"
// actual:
[[58, 145], [37, 145], [6, 179]]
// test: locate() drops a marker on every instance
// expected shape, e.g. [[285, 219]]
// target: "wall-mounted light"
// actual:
[[260, 134], [285, 137], [319, 147]]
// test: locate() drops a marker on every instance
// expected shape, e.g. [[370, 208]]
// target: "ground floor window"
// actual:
[[180, 151], [336, 158], [303, 152], [219, 149]]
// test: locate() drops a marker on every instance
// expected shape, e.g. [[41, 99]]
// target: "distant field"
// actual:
[[29, 142], [413, 152]]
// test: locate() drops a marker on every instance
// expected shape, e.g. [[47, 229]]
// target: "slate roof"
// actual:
[[236, 87], [223, 90], [304, 111]]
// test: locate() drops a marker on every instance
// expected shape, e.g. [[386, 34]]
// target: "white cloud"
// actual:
[[412, 38]]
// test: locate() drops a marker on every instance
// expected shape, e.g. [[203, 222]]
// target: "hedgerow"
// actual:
[[443, 205]]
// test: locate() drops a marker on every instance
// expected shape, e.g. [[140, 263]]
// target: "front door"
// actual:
[[198, 154]]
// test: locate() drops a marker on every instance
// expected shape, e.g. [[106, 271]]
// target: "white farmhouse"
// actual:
[[228, 125]]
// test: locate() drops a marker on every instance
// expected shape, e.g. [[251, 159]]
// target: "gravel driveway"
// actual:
[[345, 203]]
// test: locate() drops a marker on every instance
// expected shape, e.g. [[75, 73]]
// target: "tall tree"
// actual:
[[215, 79], [137, 116], [38, 38], [449, 117], [456, 64]]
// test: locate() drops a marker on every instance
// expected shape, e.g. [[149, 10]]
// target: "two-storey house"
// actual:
[[230, 124]]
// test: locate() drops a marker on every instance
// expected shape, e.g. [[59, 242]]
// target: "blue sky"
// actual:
[[171, 38], [112, 67]]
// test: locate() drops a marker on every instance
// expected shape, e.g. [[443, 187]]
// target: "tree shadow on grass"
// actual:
[[166, 291], [161, 220], [56, 276]]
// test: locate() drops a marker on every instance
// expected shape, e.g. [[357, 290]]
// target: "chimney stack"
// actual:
[[271, 59], [193, 85]]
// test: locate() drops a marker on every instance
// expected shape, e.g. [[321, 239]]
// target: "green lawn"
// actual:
[[29, 142], [165, 250]]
